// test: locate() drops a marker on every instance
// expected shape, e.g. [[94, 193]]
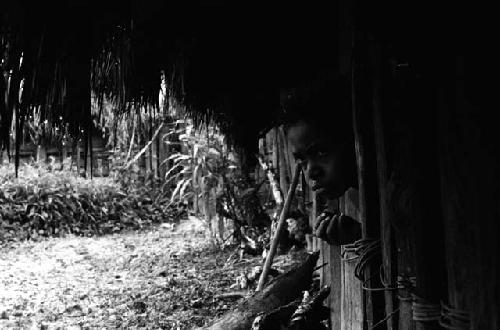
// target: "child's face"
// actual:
[[328, 164]]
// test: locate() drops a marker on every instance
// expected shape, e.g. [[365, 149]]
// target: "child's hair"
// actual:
[[325, 103]]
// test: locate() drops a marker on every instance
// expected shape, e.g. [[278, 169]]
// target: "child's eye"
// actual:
[[321, 153], [318, 150]]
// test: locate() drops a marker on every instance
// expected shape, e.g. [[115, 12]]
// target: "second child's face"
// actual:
[[329, 165]]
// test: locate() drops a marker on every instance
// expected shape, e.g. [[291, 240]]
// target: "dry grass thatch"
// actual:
[[224, 63]]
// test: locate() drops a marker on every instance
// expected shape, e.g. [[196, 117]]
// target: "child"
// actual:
[[318, 122]]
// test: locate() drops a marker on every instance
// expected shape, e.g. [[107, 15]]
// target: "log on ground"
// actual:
[[280, 291]]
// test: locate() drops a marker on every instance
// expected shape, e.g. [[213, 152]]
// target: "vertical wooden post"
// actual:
[[282, 170], [351, 304], [285, 165], [154, 156], [151, 146], [197, 184], [41, 155], [386, 234], [425, 209], [147, 153], [89, 162], [64, 155], [163, 151], [469, 163], [78, 156], [409, 193], [275, 150], [147, 156], [367, 171]]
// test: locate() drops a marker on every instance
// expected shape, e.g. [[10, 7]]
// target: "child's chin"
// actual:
[[328, 194], [324, 193]]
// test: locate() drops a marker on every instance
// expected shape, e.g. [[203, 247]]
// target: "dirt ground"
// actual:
[[160, 279]]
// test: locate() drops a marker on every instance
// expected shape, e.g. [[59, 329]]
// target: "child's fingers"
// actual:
[[319, 219], [321, 230], [332, 231]]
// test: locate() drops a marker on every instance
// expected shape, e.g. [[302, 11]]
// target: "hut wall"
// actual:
[[469, 177], [436, 170], [396, 144], [437, 163]]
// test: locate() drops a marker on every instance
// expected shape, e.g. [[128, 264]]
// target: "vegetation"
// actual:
[[44, 202]]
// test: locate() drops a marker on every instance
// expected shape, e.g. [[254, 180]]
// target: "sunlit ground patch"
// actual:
[[163, 278]]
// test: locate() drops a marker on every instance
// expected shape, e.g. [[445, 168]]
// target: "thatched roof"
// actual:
[[224, 62]]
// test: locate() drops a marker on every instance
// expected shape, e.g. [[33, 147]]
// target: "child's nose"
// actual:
[[313, 171]]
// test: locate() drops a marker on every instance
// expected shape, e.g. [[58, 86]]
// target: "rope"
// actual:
[[407, 283], [424, 311], [345, 249], [357, 248], [366, 250], [374, 289], [385, 319], [357, 245], [403, 282], [454, 318]]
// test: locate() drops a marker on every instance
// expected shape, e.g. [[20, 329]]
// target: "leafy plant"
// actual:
[[205, 174], [198, 164], [43, 202]]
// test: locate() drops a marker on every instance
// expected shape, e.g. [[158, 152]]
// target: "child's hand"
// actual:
[[337, 229]]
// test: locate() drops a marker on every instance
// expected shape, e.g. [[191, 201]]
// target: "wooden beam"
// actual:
[[351, 292], [367, 168]]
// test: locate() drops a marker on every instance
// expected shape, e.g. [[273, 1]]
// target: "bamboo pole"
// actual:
[[145, 147], [131, 144], [279, 229]]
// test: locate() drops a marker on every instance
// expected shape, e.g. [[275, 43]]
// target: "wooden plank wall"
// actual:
[[429, 170], [395, 110], [437, 168], [469, 163], [437, 160]]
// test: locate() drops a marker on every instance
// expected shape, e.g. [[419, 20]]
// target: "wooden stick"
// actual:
[[131, 142], [145, 147], [279, 229], [229, 295]]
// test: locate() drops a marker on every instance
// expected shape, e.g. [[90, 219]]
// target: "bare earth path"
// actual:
[[162, 279]]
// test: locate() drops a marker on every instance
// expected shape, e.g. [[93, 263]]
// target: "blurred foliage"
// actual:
[[205, 173], [46, 202], [200, 164]]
